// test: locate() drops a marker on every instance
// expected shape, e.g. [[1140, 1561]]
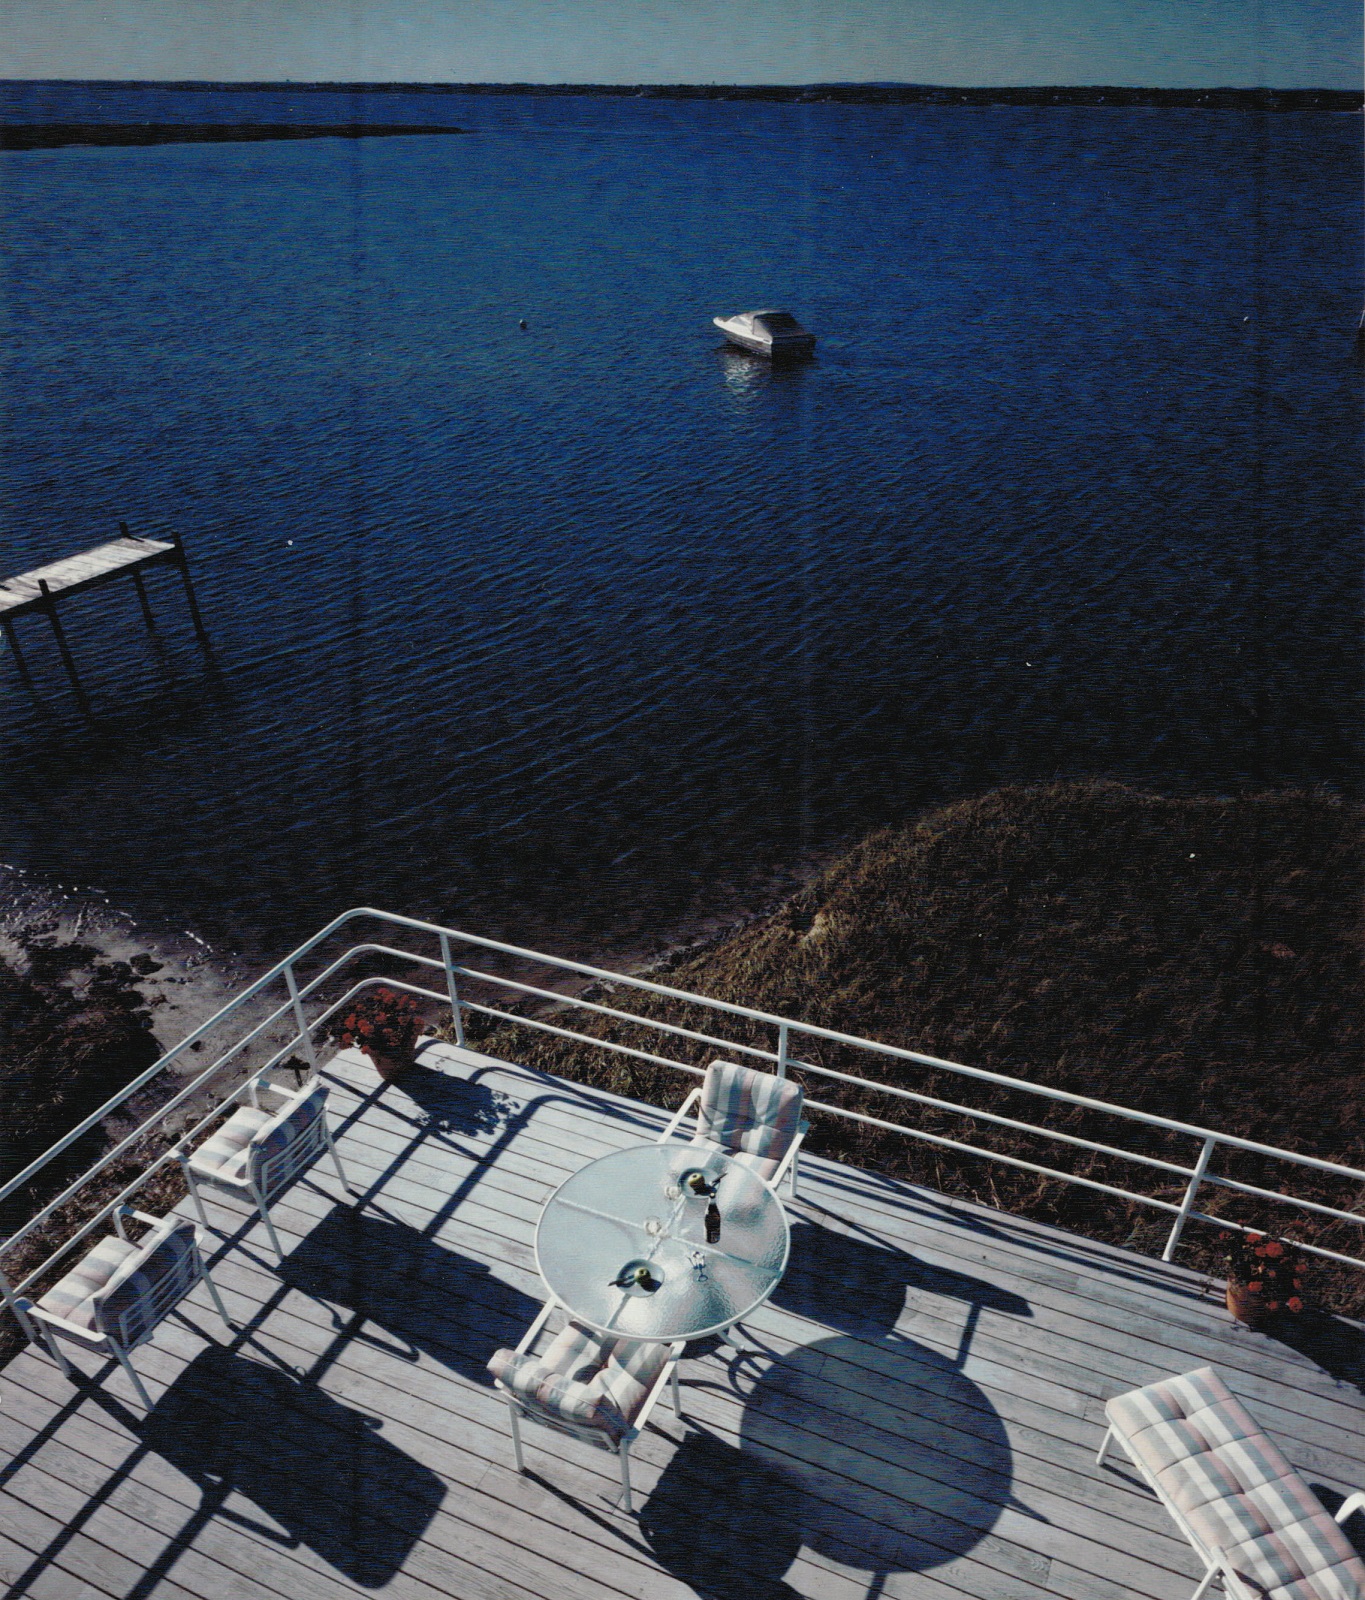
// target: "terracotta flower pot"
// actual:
[[390, 1065], [1248, 1306]]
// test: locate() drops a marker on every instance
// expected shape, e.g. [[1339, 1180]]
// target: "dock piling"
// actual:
[[144, 602], [41, 588], [182, 561], [18, 654], [50, 606]]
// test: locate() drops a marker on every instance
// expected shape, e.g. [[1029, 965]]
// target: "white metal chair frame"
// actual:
[[787, 1167], [1214, 1559], [166, 1296], [278, 1171], [667, 1375]]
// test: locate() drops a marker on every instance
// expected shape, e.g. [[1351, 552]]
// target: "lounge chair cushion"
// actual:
[[223, 1154], [300, 1115], [751, 1115], [1234, 1488], [72, 1297], [148, 1283], [583, 1383]]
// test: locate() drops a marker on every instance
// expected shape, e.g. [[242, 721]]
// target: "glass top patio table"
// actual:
[[632, 1208]]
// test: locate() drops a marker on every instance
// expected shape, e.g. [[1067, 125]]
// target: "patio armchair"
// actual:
[[595, 1388], [750, 1115], [258, 1153], [113, 1300]]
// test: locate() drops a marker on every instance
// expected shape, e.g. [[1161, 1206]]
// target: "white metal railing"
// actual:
[[294, 1008]]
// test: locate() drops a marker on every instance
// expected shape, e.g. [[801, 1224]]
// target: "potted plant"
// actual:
[[384, 1024], [1264, 1275]]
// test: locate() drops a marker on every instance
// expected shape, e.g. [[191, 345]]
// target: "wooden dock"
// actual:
[[125, 557], [920, 1420]]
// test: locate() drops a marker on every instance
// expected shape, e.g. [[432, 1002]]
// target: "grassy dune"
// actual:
[[1196, 958]]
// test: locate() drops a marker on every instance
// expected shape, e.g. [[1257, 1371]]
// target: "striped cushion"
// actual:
[[223, 1154], [300, 1115], [630, 1372], [765, 1166], [1240, 1497], [148, 1283], [72, 1296], [748, 1112], [584, 1384]]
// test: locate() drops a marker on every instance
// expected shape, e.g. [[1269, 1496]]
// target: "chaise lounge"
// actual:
[[1249, 1515]]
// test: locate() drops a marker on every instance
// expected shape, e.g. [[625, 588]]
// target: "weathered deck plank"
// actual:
[[920, 1422]]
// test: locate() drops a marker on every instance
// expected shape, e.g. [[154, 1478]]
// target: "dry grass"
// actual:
[[1195, 958]]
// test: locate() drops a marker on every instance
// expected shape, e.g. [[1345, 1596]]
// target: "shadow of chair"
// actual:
[[880, 1452], [319, 1471], [432, 1300], [719, 1521]]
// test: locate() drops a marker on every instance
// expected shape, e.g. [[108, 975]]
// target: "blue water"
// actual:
[[581, 623]]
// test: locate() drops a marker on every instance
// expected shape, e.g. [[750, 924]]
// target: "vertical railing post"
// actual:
[[304, 1028], [452, 991], [782, 1050], [8, 1295], [1192, 1189]]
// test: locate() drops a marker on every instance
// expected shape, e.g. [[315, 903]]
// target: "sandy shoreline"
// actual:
[[176, 979]]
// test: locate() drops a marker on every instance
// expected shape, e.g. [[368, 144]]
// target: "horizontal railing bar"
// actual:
[[829, 1072], [112, 1104], [565, 1033], [160, 1161], [644, 985], [991, 1116], [814, 1031], [622, 1016], [1299, 1244], [1287, 1199], [370, 949], [994, 1155], [840, 1111], [158, 1116]]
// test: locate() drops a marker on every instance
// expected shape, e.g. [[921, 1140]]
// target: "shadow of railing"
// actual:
[[433, 1300]]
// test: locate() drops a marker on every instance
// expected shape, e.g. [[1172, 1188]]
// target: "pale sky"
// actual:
[[1166, 43]]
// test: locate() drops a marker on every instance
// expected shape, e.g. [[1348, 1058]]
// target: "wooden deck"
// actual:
[[921, 1421], [119, 558]]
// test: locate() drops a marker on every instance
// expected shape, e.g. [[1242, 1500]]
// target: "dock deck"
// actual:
[[921, 1418], [119, 558]]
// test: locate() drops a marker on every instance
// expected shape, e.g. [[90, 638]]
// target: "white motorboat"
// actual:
[[767, 333]]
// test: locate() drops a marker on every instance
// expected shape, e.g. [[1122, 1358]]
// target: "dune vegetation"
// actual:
[[1199, 959]]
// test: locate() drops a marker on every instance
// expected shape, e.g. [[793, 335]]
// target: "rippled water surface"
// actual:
[[550, 632]]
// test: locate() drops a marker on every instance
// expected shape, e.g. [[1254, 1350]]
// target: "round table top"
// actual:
[[633, 1208]]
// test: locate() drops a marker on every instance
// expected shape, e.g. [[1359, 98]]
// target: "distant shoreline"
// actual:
[[55, 135], [1103, 95]]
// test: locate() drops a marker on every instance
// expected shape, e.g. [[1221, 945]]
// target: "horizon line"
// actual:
[[569, 86]]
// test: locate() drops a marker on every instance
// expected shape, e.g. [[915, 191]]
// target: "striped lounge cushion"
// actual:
[[1240, 1497], [300, 1115], [148, 1283], [584, 1383], [223, 1154], [752, 1115], [72, 1297]]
